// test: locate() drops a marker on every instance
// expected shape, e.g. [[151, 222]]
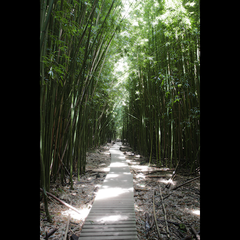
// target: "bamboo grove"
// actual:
[[154, 105], [75, 110], [162, 118]]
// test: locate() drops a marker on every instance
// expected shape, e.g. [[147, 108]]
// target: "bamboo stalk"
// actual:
[[65, 236], [62, 202], [195, 232], [165, 214], [185, 183], [155, 219]]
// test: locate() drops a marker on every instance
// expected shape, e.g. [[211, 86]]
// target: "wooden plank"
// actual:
[[112, 229], [113, 217], [111, 214], [112, 211], [103, 226], [112, 205], [133, 237], [113, 223], [113, 202], [95, 219], [115, 207], [112, 208], [104, 233], [119, 216], [129, 204], [90, 222]]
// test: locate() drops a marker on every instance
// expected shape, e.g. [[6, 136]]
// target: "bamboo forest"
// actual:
[[111, 72]]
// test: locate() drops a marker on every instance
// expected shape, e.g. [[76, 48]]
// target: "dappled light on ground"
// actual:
[[107, 153], [113, 218], [112, 175], [139, 167], [163, 180], [140, 175], [114, 151], [118, 164], [107, 169], [196, 212], [83, 213], [106, 193]]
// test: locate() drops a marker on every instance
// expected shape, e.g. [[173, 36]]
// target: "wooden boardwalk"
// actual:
[[112, 215]]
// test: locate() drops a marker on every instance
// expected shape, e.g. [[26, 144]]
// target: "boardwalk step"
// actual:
[[133, 237], [108, 229], [109, 226], [112, 215], [90, 222], [113, 211], [109, 220], [113, 208], [112, 233], [116, 213]]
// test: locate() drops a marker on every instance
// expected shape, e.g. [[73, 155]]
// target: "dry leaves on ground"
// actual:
[[182, 205], [81, 197]]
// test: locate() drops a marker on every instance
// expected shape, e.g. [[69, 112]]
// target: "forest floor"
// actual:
[[182, 205], [81, 197]]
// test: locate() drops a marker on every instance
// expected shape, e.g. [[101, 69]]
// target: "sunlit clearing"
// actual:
[[112, 192], [84, 213], [196, 212]]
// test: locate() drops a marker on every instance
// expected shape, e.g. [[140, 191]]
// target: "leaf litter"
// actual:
[[81, 197], [182, 205]]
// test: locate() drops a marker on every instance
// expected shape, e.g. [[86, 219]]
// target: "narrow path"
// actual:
[[112, 215]]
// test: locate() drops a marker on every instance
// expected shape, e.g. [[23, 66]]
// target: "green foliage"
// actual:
[[105, 74], [76, 100], [182, 227], [163, 40]]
